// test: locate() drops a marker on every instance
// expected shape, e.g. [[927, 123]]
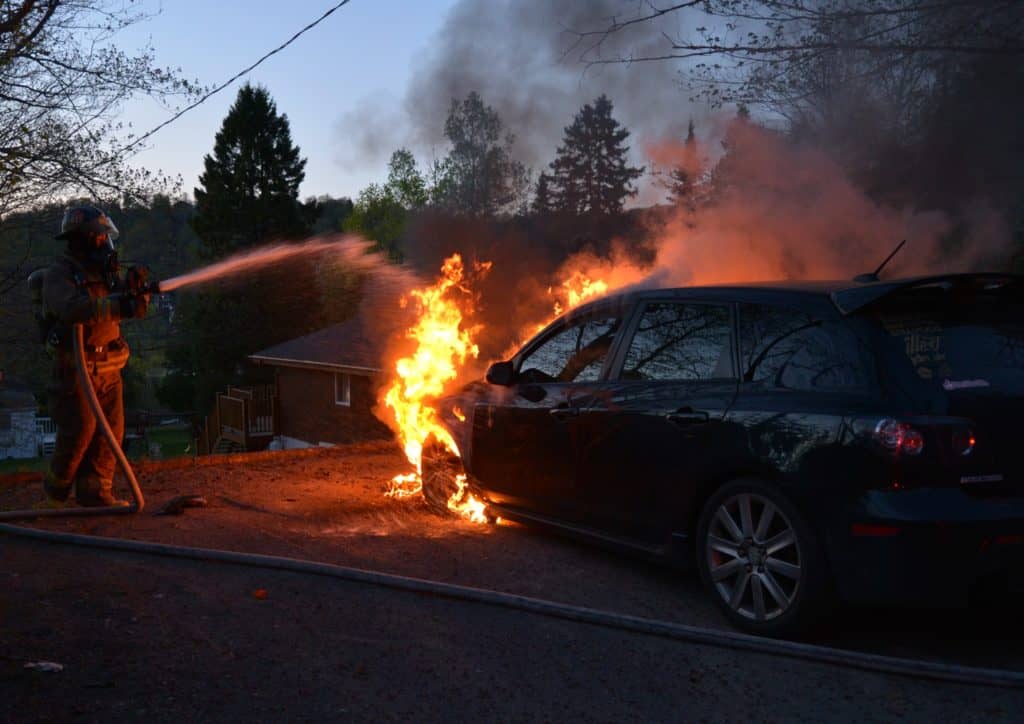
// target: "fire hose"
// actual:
[[81, 368]]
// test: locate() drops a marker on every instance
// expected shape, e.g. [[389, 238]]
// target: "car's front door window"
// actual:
[[677, 341], [576, 354]]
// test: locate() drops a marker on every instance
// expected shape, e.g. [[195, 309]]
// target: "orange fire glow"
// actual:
[[575, 290], [577, 286], [443, 346]]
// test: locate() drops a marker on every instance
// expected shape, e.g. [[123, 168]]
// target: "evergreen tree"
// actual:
[[736, 148], [682, 180], [249, 196], [250, 185], [590, 173], [479, 177], [543, 203]]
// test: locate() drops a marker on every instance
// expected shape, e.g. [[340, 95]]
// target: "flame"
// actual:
[[443, 346], [464, 503], [575, 290]]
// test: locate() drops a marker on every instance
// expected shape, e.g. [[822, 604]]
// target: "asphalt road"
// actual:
[[155, 639]]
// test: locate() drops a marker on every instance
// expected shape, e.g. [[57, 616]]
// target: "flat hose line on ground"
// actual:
[[667, 629]]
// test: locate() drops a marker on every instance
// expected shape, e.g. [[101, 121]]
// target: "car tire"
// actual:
[[439, 467], [760, 560]]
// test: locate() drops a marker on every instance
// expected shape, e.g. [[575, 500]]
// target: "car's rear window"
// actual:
[[957, 339]]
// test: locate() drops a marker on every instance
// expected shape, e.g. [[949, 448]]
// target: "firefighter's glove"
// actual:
[[133, 306]]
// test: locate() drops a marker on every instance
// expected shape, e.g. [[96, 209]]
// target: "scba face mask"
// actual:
[[103, 255]]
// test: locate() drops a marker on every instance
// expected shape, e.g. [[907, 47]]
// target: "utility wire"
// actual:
[[233, 78]]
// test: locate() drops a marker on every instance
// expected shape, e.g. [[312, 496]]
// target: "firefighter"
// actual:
[[82, 286]]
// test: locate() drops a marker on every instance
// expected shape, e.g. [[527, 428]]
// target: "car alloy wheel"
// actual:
[[753, 557]]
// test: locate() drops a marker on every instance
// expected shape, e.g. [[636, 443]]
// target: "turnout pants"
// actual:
[[82, 455]]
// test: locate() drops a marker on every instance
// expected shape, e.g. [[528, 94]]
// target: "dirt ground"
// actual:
[[151, 638]]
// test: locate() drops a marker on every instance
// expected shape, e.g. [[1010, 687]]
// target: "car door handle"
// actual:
[[687, 416], [563, 412]]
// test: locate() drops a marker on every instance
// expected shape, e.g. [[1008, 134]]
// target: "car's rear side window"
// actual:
[[787, 349], [680, 341]]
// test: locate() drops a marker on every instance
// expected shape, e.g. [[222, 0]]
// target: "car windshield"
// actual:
[[957, 339]]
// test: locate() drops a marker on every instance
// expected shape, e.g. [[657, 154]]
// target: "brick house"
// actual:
[[327, 384]]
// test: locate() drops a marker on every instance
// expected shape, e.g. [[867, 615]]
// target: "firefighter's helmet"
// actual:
[[86, 222]]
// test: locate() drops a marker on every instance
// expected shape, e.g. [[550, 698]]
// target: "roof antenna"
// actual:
[[873, 276]]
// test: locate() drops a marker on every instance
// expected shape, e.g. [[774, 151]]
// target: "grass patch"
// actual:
[[173, 442]]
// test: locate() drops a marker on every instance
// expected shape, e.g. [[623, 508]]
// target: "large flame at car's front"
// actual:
[[443, 345]]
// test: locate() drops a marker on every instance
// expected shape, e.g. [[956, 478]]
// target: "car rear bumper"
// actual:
[[927, 546]]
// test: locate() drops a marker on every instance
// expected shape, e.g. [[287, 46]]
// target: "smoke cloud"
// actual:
[[521, 56], [780, 211]]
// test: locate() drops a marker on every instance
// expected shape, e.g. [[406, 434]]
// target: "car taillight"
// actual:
[[899, 436]]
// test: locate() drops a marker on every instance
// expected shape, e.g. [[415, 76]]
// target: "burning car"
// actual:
[[797, 442]]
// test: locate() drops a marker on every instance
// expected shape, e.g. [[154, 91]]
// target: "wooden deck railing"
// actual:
[[244, 415]]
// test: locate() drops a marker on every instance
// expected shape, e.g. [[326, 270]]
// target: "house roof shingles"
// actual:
[[354, 346]]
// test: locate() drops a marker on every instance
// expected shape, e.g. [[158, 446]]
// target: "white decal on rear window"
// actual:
[[997, 478], [963, 384]]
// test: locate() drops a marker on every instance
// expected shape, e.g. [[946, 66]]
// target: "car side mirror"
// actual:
[[500, 373]]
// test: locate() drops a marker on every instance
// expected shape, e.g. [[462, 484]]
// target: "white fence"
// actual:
[[46, 434]]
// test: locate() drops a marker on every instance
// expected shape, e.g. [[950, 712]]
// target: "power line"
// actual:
[[233, 78]]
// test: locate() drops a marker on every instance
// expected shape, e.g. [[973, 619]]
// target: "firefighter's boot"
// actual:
[[55, 493], [95, 493]]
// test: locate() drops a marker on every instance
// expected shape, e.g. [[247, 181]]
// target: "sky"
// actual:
[[380, 74], [362, 55]]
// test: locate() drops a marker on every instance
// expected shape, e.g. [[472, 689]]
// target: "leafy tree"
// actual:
[[405, 182], [382, 210], [333, 213], [781, 32], [478, 177], [379, 217], [62, 84], [590, 173], [250, 185]]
